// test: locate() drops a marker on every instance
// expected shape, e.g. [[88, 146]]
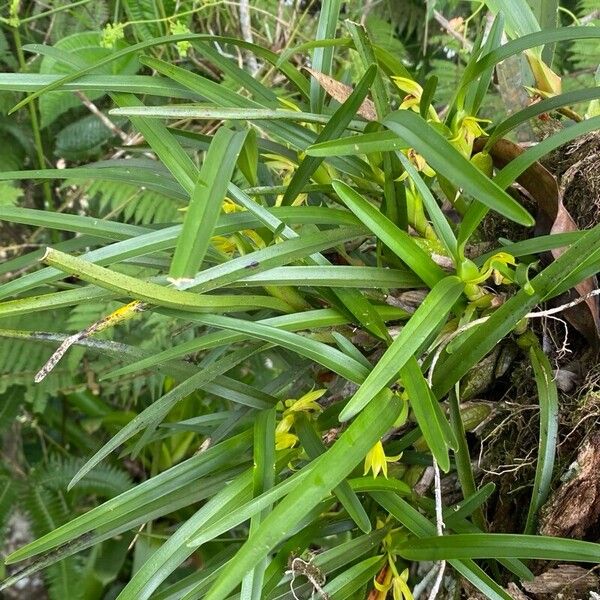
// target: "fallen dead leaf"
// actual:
[[552, 218], [340, 91]]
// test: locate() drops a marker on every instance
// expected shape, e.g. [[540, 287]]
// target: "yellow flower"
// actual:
[[467, 131], [419, 162], [376, 460], [472, 129], [283, 437], [413, 92], [230, 207], [401, 591], [397, 583], [546, 80], [384, 586], [493, 267], [223, 244], [307, 404], [228, 245], [285, 440]]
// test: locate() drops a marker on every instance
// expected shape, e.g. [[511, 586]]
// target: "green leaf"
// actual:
[[211, 113], [156, 294], [206, 202], [365, 50], [313, 319], [334, 276], [438, 219], [354, 578], [314, 447], [175, 550], [397, 240], [446, 159], [319, 352], [356, 304], [268, 55], [430, 418], [364, 143], [335, 127], [418, 524], [538, 108], [500, 545], [326, 473], [264, 479], [513, 47], [164, 144], [548, 399], [462, 457], [160, 408], [106, 517], [134, 84], [478, 342], [519, 17], [427, 319], [322, 57]]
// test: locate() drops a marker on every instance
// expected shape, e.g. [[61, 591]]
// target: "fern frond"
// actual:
[[133, 204], [8, 497], [105, 480], [47, 510]]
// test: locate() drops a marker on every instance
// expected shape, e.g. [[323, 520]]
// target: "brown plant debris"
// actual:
[[553, 215], [574, 509], [341, 92], [564, 581], [577, 168]]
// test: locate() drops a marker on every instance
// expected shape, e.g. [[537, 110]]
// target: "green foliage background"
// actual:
[[238, 240]]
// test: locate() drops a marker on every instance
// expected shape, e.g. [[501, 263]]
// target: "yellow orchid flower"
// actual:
[[306, 404], [491, 268], [285, 440], [419, 163], [397, 583], [468, 130], [229, 207], [376, 460], [546, 80], [414, 93], [401, 591], [223, 244], [228, 245], [384, 586]]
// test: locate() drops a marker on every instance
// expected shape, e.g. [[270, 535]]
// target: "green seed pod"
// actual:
[[474, 414], [483, 161]]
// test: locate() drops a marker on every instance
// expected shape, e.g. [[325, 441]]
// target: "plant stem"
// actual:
[[463, 461]]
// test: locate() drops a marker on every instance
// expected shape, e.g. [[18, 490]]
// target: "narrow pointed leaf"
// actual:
[[427, 319]]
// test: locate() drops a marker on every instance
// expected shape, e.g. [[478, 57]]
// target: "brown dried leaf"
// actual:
[[563, 579], [516, 592], [340, 91], [552, 218], [574, 509]]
